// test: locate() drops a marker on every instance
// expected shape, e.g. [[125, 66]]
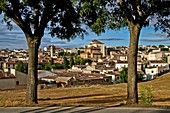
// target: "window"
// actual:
[[106, 80], [72, 83], [17, 82]]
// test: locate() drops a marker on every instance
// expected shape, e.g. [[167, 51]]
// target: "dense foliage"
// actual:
[[50, 66], [124, 76], [22, 67], [71, 61], [164, 49], [65, 63]]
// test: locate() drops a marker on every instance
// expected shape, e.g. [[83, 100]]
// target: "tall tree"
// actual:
[[59, 17], [134, 14], [71, 61], [65, 63]]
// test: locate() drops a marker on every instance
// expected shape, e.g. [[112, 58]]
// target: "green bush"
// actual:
[[146, 94], [124, 76], [22, 67]]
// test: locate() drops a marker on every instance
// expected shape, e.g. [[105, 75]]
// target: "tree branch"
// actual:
[[45, 18], [148, 11], [134, 7], [127, 12], [37, 14], [15, 15]]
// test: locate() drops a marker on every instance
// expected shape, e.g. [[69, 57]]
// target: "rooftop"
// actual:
[[95, 42]]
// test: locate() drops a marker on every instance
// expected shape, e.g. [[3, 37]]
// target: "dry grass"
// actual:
[[101, 95]]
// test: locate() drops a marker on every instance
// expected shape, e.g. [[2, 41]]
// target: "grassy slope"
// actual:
[[107, 95]]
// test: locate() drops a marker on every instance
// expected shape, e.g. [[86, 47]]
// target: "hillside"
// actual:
[[98, 95]]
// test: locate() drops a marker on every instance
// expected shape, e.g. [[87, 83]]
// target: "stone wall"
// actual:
[[7, 83]]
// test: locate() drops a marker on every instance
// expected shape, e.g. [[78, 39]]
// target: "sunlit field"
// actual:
[[96, 95]]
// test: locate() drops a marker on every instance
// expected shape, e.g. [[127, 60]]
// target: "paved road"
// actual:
[[81, 110]]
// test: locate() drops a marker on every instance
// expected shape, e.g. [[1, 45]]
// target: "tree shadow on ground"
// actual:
[[161, 100], [38, 109], [51, 109], [73, 97], [83, 100], [111, 101]]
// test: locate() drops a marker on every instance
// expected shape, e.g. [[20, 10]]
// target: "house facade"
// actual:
[[121, 64], [155, 55], [155, 63], [156, 70], [97, 43], [121, 57], [91, 53]]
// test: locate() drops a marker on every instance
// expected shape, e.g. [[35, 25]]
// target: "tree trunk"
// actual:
[[32, 79], [132, 89]]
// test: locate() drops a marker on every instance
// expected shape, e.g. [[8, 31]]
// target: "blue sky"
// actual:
[[15, 38]]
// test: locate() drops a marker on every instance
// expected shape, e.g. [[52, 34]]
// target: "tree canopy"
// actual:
[[58, 17], [115, 14]]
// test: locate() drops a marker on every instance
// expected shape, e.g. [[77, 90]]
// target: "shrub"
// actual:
[[146, 94], [124, 76]]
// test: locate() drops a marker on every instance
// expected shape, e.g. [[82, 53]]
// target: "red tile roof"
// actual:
[[11, 62], [157, 61], [119, 54], [123, 62]]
